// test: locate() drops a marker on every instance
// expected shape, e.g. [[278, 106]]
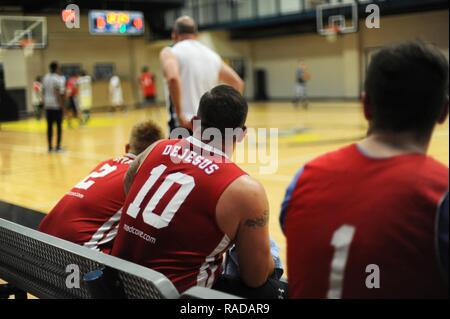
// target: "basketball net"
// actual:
[[27, 47], [332, 33]]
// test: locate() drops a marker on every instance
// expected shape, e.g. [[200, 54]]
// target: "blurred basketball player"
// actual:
[[89, 214], [190, 69], [302, 76], [148, 87], [36, 97], [85, 96], [360, 222], [187, 202], [72, 98], [53, 89], [115, 93]]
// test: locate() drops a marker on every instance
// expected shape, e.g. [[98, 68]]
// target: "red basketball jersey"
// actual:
[[89, 214], [72, 87], [147, 84], [169, 217], [360, 227]]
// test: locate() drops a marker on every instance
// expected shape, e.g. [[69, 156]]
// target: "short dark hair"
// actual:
[[144, 69], [185, 25], [222, 107], [143, 135], [53, 67], [406, 87]]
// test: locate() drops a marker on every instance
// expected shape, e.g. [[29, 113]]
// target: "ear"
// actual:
[[241, 136], [366, 107], [127, 148], [444, 114]]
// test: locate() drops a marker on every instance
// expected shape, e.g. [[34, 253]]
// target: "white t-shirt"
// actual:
[[52, 84], [85, 92], [115, 91], [199, 72]]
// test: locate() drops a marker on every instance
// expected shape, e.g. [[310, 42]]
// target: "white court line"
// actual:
[[440, 134], [37, 150]]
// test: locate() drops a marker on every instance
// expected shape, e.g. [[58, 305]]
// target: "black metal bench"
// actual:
[[49, 267]]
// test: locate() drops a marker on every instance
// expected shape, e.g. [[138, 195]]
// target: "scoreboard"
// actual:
[[108, 22]]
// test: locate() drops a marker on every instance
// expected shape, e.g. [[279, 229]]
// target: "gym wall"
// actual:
[[337, 68]]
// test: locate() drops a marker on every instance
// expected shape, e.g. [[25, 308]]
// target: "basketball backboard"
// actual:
[[15, 30], [337, 16]]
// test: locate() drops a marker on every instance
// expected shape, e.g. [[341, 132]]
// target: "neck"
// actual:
[[186, 37], [218, 144], [388, 144], [132, 152]]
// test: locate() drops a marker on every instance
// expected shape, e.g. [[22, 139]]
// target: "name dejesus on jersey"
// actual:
[[190, 156]]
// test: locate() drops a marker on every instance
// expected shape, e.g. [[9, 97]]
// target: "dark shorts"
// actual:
[[72, 105], [150, 99]]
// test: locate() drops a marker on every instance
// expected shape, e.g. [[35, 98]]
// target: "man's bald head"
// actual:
[[185, 25]]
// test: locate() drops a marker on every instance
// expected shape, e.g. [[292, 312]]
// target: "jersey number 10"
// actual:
[[187, 184]]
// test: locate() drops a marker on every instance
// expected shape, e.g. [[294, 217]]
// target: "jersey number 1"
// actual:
[[187, 184], [341, 241]]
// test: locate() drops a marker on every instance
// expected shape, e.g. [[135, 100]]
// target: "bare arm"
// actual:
[[228, 76], [60, 93], [171, 72], [134, 167], [243, 214]]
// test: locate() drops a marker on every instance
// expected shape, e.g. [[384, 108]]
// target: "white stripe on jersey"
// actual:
[[109, 227], [203, 279]]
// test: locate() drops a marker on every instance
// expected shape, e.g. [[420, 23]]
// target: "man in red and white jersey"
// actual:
[[187, 202], [362, 222], [72, 98], [148, 86], [89, 214]]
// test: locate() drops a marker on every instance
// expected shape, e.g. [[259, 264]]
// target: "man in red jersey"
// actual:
[[89, 214], [72, 101], [148, 87], [187, 202], [360, 221]]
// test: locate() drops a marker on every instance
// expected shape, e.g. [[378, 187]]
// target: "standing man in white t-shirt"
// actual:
[[115, 93], [191, 69], [53, 86]]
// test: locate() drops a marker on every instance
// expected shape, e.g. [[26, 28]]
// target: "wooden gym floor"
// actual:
[[32, 178]]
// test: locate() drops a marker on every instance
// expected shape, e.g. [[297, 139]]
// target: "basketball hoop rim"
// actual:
[[331, 31], [26, 42]]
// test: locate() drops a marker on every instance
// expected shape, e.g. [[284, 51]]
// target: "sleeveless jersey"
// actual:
[[169, 217], [89, 214], [199, 72], [361, 227]]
